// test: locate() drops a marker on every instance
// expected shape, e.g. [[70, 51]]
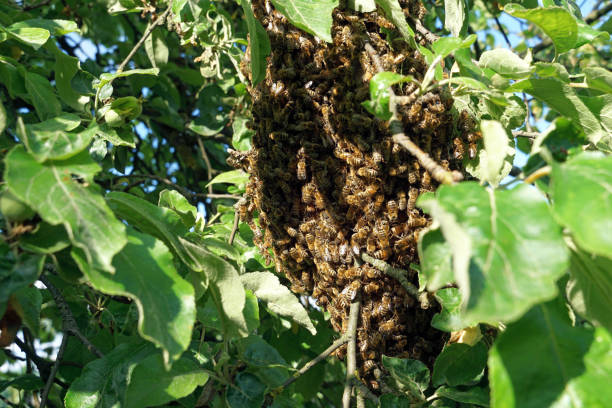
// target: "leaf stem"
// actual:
[[541, 172], [58, 359]]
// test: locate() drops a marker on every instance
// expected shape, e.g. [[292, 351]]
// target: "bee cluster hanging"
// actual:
[[329, 184]]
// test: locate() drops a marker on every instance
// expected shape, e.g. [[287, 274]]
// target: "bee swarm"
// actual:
[[328, 183]]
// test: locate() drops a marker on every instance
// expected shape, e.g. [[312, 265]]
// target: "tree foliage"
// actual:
[[128, 280]]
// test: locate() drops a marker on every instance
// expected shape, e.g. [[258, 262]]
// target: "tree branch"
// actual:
[[400, 276], [336, 344], [351, 352], [439, 173], [159, 20], [597, 14], [234, 228], [69, 323], [522, 133], [60, 354]]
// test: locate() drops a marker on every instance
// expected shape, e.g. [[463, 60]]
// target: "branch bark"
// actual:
[[351, 352]]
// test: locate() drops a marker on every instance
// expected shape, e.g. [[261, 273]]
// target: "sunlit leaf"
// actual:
[[506, 63], [459, 364], [582, 185], [259, 42], [59, 198], [556, 22], [454, 16], [509, 269], [542, 360], [267, 287], [165, 301], [393, 11], [312, 17]]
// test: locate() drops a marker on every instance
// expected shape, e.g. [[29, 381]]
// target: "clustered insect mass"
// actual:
[[328, 183]]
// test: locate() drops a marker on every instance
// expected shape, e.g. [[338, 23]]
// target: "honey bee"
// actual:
[[371, 288], [398, 170], [426, 180], [308, 226], [354, 272], [361, 121], [350, 291], [416, 221], [292, 232], [472, 150], [403, 243], [413, 194], [398, 230], [242, 208], [298, 254], [401, 200], [301, 165], [278, 88], [368, 364], [310, 240], [387, 327], [380, 198], [367, 172], [392, 209], [371, 190], [371, 244], [383, 253], [372, 273], [319, 200], [308, 192], [414, 173]]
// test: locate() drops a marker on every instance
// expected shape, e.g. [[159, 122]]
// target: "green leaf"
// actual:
[[16, 274], [3, 118], [378, 104], [393, 11], [588, 34], [312, 17], [175, 201], [104, 382], [156, 49], [27, 382], [473, 395], [505, 63], [581, 185], [55, 27], [225, 287], [494, 161], [363, 6], [33, 36], [264, 360], [459, 364], [236, 177], [267, 287], [247, 393], [542, 361], [599, 78], [508, 269], [165, 301], [454, 16], [43, 97], [393, 401], [562, 98], [411, 376], [449, 319], [436, 259], [29, 300], [589, 289], [447, 45], [106, 77], [556, 22], [66, 68], [162, 223], [52, 139], [59, 198], [241, 138], [152, 385], [259, 42], [115, 136], [45, 239]]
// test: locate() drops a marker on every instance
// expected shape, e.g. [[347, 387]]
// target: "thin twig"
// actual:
[[438, 172], [503, 31], [234, 229], [597, 14], [230, 196], [421, 29], [53, 373], [522, 133], [351, 352], [34, 6], [159, 20], [206, 161], [69, 323], [341, 341], [539, 173], [400, 276]]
